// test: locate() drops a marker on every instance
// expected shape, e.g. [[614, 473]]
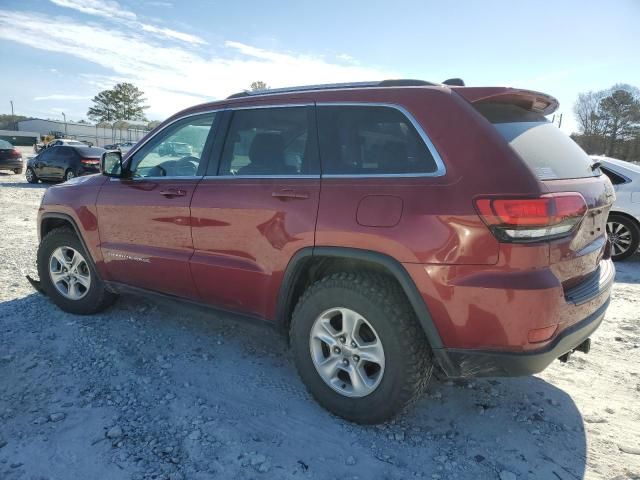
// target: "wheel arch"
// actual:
[[52, 220], [311, 263]]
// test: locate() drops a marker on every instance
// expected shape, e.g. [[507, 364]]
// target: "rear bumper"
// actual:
[[11, 164], [478, 363]]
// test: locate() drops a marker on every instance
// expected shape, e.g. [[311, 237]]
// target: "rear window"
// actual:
[[89, 151], [371, 140], [5, 145], [549, 152]]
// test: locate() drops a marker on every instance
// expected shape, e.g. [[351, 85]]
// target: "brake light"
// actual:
[[90, 161], [16, 153], [532, 219]]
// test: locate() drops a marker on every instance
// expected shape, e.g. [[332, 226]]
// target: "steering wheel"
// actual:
[[187, 166]]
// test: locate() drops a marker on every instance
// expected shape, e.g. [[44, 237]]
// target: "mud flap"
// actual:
[[36, 285]]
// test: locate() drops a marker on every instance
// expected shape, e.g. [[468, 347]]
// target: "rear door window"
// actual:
[[274, 141], [371, 140], [549, 152]]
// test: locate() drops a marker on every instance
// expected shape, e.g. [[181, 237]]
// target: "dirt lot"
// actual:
[[156, 390]]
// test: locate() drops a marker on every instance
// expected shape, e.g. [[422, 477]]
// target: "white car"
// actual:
[[623, 225]]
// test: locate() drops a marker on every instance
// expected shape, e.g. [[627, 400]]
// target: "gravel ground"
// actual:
[[159, 390]]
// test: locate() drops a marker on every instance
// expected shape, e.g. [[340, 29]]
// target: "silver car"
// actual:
[[623, 225]]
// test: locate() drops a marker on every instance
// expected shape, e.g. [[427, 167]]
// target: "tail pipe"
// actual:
[[584, 347]]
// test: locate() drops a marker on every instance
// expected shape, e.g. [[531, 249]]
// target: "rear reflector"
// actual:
[[532, 219], [90, 161], [542, 334]]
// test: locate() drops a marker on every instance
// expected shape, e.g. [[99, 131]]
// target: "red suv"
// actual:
[[392, 228]]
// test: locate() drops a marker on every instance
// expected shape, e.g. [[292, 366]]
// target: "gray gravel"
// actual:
[[157, 390]]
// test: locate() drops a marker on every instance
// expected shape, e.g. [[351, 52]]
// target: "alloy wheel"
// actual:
[[620, 237], [69, 273], [347, 352], [29, 175]]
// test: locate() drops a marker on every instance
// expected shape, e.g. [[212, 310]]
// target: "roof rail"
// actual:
[[334, 86]]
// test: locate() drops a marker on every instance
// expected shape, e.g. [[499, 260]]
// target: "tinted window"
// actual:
[[175, 151], [614, 177], [64, 153], [549, 152], [5, 145], [370, 140], [89, 152], [270, 141]]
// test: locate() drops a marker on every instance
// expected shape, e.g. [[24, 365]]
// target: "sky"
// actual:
[[57, 54]]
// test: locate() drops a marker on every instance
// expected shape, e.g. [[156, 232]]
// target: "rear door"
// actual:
[[144, 221], [64, 159], [253, 213]]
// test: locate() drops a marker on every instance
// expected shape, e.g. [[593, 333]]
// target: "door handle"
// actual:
[[290, 194], [173, 192]]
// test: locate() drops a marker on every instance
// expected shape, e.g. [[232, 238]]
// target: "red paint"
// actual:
[[228, 241]]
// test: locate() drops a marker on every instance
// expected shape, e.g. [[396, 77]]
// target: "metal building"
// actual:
[[98, 134]]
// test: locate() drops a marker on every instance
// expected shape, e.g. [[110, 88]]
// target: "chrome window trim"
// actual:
[[254, 177], [135, 150], [271, 105], [441, 169]]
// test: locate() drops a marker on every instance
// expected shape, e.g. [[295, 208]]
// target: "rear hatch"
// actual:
[[564, 170]]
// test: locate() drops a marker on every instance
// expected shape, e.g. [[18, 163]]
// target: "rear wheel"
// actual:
[[69, 174], [67, 274], [624, 234], [358, 347], [30, 175], [17, 171]]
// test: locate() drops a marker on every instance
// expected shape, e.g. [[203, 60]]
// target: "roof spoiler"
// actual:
[[527, 99]]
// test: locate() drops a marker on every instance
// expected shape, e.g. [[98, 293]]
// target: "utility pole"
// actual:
[[12, 117], [65, 124]]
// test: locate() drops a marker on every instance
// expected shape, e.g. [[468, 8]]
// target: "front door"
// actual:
[[144, 221], [251, 215]]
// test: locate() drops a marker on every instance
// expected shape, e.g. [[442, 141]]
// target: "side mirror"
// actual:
[[111, 164]]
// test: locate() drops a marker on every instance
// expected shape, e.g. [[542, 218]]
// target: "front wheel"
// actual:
[[624, 234], [358, 347], [67, 274]]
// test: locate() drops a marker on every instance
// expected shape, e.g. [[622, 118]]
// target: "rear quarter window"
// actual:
[[549, 152], [371, 140]]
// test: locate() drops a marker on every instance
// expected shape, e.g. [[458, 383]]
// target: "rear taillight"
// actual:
[[90, 161], [15, 153], [532, 219]]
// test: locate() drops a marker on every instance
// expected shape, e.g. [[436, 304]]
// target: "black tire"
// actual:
[[31, 176], [408, 360], [97, 297], [17, 171], [626, 241], [69, 174]]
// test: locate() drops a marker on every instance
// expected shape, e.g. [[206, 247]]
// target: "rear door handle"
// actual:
[[173, 192], [290, 194]]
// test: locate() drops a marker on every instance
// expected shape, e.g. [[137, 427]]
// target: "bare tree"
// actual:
[[587, 111]]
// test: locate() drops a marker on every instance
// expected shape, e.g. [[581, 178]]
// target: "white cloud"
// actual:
[[60, 96], [114, 11], [171, 76], [102, 8]]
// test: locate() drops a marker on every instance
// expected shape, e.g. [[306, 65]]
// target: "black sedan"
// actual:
[[10, 157], [63, 163]]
